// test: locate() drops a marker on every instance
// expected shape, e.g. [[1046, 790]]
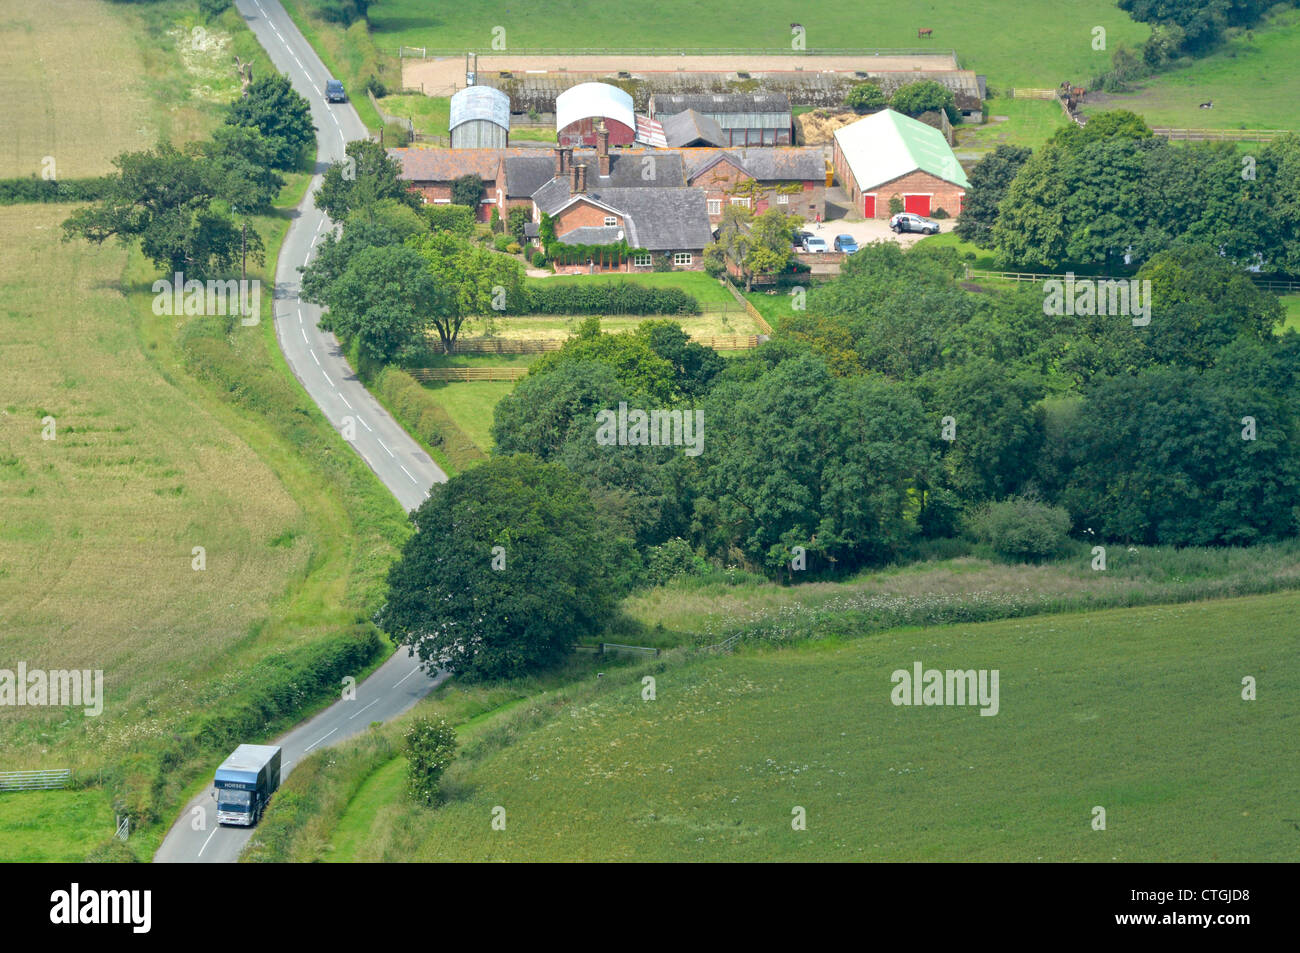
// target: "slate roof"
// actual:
[[592, 235], [770, 163], [661, 219], [626, 171], [526, 174], [689, 128]]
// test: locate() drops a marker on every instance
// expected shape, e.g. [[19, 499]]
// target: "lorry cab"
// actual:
[[244, 784]]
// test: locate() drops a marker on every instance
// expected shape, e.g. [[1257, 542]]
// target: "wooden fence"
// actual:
[[1276, 285], [1023, 93], [388, 118], [423, 52], [719, 342], [749, 307], [425, 374], [1220, 135], [35, 780]]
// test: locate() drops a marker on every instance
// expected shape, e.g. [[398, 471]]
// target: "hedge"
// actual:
[[417, 411], [614, 297], [32, 189]]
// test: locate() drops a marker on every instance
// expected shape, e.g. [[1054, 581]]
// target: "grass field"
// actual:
[[1012, 122], [1138, 711], [1251, 82], [706, 290], [470, 404], [53, 826], [1057, 45], [1292, 305]]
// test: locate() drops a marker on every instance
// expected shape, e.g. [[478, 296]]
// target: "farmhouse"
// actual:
[[580, 109], [888, 154], [792, 179], [480, 118], [605, 199], [745, 119]]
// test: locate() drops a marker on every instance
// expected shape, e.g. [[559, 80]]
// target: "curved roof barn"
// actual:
[[578, 108], [480, 118]]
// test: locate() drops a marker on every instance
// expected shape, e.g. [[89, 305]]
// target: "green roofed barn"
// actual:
[[888, 154]]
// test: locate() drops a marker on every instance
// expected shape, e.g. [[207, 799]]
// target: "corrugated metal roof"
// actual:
[[650, 132], [480, 102], [689, 127], [712, 104], [589, 100], [881, 147]]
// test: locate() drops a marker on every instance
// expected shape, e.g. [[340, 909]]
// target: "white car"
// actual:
[[814, 244]]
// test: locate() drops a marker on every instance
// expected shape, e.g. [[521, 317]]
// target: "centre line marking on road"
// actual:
[[375, 702], [408, 473], [364, 424], [327, 377], [385, 446], [319, 740], [406, 676], [345, 400], [314, 357], [205, 843], [300, 315], [304, 334]]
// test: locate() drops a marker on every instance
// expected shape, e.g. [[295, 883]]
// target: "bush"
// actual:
[[940, 518], [430, 748], [457, 219], [376, 87], [673, 558], [395, 135], [1022, 528], [539, 259], [661, 263], [940, 212], [494, 222], [613, 297], [32, 189], [895, 204], [416, 410], [501, 242], [211, 9], [865, 97]]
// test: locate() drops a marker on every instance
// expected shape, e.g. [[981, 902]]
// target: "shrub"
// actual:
[[612, 297], [865, 97], [32, 189], [539, 259], [395, 135], [211, 9], [940, 212], [501, 242], [457, 219], [415, 409], [940, 518], [1022, 528], [376, 87], [895, 204], [673, 558], [662, 263], [513, 248], [430, 748], [494, 222]]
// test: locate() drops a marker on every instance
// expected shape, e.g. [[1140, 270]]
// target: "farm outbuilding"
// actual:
[[745, 119], [581, 109], [480, 118], [888, 154]]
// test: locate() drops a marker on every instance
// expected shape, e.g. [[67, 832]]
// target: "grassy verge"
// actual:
[[349, 54]]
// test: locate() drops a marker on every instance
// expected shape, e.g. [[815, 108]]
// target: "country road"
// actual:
[[316, 360]]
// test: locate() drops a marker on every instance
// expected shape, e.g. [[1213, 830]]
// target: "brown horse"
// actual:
[[924, 34]]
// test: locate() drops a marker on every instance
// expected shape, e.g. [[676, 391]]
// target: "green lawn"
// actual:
[[1050, 47], [1026, 122], [1292, 305], [470, 404], [706, 290], [431, 115], [1138, 711], [1252, 83]]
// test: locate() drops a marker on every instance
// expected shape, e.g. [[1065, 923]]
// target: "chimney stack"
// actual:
[[582, 178], [573, 176], [602, 149], [559, 160]]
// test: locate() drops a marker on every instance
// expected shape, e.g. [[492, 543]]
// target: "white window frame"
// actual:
[[442, 201], [782, 199], [643, 261], [741, 200], [682, 258], [611, 221], [715, 206]]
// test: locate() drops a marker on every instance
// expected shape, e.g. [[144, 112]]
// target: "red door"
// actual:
[[916, 204], [869, 206]]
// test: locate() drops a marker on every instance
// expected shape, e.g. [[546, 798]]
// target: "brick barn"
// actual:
[[791, 179], [432, 171], [581, 109], [888, 154]]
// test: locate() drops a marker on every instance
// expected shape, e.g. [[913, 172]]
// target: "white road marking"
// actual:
[[406, 676], [385, 446], [408, 473], [300, 315], [314, 357], [319, 740], [304, 334], [364, 424], [205, 843], [375, 702], [344, 399], [327, 377]]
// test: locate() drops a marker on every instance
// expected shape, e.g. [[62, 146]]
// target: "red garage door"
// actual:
[[869, 206], [916, 204]]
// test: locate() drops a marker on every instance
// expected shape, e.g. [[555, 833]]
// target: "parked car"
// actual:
[[334, 92], [846, 243], [911, 222], [815, 244], [801, 240]]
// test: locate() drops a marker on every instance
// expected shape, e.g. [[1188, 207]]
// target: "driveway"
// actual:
[[869, 230]]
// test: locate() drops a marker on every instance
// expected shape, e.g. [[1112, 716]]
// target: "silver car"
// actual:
[[911, 222]]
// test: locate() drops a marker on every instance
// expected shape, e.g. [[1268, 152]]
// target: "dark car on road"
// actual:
[[911, 222], [801, 240], [334, 92]]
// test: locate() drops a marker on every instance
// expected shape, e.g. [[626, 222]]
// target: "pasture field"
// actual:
[[561, 326], [470, 405], [1058, 45], [1251, 82], [1138, 711], [1292, 305], [1012, 122], [53, 826]]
